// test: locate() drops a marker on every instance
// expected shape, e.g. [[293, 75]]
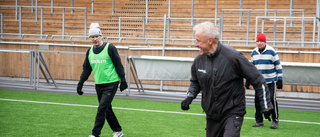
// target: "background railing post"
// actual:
[[63, 14], [147, 11], [248, 24], [240, 14], [85, 24], [192, 8], [52, 11], [41, 28], [16, 10], [215, 13], [72, 12], [275, 28], [92, 12], [36, 11], [119, 29], [113, 13], [20, 19]]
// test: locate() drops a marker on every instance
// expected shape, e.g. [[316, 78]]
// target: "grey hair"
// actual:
[[208, 30]]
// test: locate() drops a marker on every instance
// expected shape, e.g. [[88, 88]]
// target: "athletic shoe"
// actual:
[[92, 136], [118, 134], [258, 124], [274, 125]]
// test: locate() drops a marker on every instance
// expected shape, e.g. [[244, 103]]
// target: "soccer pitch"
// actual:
[[36, 114]]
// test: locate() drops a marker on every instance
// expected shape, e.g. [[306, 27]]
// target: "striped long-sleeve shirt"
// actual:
[[268, 63]]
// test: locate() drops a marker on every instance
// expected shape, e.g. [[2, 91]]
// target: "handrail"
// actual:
[[22, 35], [36, 15]]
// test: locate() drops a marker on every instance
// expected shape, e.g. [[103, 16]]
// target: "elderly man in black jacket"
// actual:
[[218, 72]]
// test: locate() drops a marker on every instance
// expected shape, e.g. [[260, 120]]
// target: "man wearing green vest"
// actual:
[[104, 61]]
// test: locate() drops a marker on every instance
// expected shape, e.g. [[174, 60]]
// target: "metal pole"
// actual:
[[16, 10], [41, 28], [169, 20], [192, 8], [20, 19], [265, 8], [164, 34], [314, 31], [302, 32], [147, 11], [32, 6], [1, 24], [291, 15], [284, 30], [72, 7], [119, 29], [36, 10], [221, 22], [38, 66], [215, 13], [262, 26], [112, 13], [248, 23], [256, 32], [51, 6], [92, 12], [63, 10], [144, 29], [274, 28], [85, 24], [240, 15], [31, 67]]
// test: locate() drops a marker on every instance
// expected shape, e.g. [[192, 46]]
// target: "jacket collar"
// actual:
[[215, 53]]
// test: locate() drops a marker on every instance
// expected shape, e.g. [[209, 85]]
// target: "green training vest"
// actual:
[[102, 67]]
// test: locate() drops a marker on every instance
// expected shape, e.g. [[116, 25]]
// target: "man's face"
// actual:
[[261, 44], [96, 40], [203, 44]]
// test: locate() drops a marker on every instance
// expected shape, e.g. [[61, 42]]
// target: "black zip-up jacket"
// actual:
[[114, 55], [220, 78]]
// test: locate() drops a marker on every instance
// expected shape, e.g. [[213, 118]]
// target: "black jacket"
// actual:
[[220, 78], [114, 55]]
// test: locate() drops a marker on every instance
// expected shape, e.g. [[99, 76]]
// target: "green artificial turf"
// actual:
[[64, 115]]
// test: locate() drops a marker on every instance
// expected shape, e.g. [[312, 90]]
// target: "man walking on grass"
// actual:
[[266, 59], [104, 61]]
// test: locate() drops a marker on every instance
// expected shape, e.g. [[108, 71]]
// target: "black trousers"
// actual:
[[258, 112], [106, 93], [229, 126]]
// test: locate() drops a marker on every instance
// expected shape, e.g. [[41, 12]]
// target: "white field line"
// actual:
[[145, 110]]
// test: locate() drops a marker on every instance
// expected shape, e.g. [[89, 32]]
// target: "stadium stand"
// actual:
[[65, 24]]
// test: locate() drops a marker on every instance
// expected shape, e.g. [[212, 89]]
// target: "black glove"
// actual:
[[247, 84], [79, 89], [279, 84], [123, 85], [185, 103], [267, 112]]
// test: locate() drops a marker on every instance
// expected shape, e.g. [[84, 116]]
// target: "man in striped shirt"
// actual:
[[265, 58]]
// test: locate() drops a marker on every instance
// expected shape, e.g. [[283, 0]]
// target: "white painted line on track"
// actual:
[[145, 110]]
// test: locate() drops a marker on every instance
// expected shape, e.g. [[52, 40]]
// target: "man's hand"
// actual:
[[279, 84], [185, 103], [79, 89], [267, 112], [247, 84], [123, 85]]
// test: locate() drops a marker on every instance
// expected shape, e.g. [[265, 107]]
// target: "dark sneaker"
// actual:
[[258, 124], [274, 125]]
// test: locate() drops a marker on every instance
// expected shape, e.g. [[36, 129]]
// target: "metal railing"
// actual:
[[41, 19], [284, 19]]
